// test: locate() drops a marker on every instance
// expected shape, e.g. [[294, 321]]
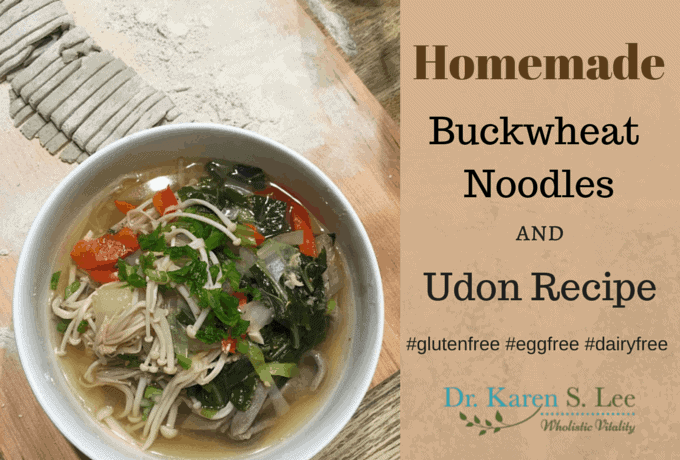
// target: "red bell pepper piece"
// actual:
[[103, 275], [242, 298], [101, 252], [229, 344], [259, 239], [126, 236], [124, 206], [99, 256], [163, 199], [299, 220]]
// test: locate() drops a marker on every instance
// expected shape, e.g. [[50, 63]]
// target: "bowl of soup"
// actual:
[[198, 291]]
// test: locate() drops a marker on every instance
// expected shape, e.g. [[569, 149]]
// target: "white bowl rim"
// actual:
[[73, 434]]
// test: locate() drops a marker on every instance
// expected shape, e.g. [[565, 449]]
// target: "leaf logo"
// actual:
[[490, 426]]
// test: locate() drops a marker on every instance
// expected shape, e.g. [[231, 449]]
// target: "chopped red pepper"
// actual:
[[229, 344], [126, 236], [298, 216], [101, 252], [99, 256], [163, 199], [124, 206], [103, 275], [242, 299], [299, 220], [259, 239], [278, 194]]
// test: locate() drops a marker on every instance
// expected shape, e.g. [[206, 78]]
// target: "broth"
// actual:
[[102, 215]]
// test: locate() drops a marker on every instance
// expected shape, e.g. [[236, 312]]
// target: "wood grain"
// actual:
[[374, 26], [373, 432]]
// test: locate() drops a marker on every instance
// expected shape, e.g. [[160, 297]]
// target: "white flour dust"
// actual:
[[7, 341]]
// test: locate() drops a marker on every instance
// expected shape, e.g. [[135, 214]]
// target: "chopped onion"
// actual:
[[248, 259], [292, 238], [259, 316]]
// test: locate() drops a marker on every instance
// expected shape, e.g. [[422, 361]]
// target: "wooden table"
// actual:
[[358, 132]]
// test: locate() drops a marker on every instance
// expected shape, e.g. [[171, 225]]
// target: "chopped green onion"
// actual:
[[331, 306], [62, 325], [54, 282], [209, 413], [184, 361], [256, 358], [152, 391], [145, 412], [283, 369], [82, 327], [73, 287]]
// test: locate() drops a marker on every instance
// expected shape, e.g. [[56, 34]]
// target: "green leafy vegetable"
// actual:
[[229, 254], [146, 261], [182, 252], [154, 241], [82, 326], [194, 274], [62, 325], [130, 274], [157, 276], [231, 274], [54, 282], [269, 214], [225, 307], [236, 383], [209, 413]]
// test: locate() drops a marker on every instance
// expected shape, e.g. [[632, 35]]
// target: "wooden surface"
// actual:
[[358, 132], [373, 432], [374, 28]]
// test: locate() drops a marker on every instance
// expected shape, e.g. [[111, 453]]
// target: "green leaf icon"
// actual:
[[496, 430], [462, 416], [476, 419], [482, 432], [488, 423], [499, 417], [470, 424]]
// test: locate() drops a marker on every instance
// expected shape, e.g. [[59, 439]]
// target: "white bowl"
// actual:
[[49, 231]]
